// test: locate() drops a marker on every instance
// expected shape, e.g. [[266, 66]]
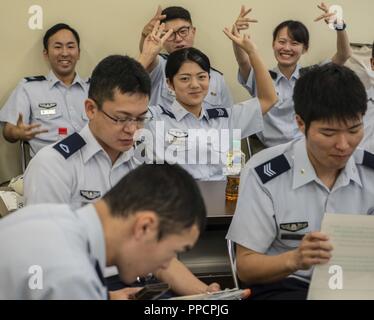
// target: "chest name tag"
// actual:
[[47, 112]]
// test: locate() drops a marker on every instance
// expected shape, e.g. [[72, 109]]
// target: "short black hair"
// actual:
[[178, 57], [168, 190], [56, 28], [118, 72], [296, 31], [329, 92], [173, 13]]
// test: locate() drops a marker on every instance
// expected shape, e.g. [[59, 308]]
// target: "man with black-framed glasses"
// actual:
[[85, 165], [179, 20]]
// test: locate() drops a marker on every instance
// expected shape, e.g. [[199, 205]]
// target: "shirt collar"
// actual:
[[304, 171], [92, 225], [295, 75], [53, 80], [180, 112], [93, 147], [349, 173]]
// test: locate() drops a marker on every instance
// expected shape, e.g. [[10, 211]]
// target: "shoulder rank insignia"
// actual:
[[70, 145], [168, 113], [293, 227], [273, 168], [368, 160], [217, 113], [273, 74], [90, 195], [35, 78], [216, 71]]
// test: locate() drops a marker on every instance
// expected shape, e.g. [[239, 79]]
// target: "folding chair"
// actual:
[[25, 155], [232, 257]]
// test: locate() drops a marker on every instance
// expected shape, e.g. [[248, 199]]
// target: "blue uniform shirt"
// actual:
[[67, 246], [281, 198], [201, 144], [279, 122], [76, 170], [49, 102]]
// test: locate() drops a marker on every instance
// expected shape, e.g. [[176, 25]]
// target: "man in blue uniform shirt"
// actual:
[[42, 109], [179, 20], [59, 252], [286, 190], [84, 166]]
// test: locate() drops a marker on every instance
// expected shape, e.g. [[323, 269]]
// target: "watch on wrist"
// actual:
[[339, 26]]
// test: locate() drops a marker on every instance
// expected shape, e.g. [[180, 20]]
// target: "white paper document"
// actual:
[[350, 272]]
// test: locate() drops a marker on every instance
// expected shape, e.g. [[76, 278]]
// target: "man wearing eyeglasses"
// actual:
[[179, 20], [85, 165]]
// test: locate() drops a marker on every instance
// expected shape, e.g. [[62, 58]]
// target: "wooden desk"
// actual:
[[219, 210]]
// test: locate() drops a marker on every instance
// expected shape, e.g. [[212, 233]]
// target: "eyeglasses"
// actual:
[[126, 121], [183, 32]]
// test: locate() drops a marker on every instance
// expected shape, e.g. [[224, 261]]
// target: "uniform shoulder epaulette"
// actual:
[[217, 71], [217, 113], [273, 168], [168, 113], [368, 160], [164, 55], [305, 70], [70, 145], [273, 74], [35, 78]]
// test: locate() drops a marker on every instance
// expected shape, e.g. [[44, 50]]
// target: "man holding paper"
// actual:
[[286, 190]]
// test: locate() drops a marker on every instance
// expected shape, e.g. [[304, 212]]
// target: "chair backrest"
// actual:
[[232, 256], [248, 141]]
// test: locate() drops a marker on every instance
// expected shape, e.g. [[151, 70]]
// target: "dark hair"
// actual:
[[167, 190], [329, 92], [296, 31], [178, 57], [173, 13], [56, 28], [118, 72]]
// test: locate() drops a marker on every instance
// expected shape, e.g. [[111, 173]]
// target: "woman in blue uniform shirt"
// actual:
[[290, 43], [177, 127]]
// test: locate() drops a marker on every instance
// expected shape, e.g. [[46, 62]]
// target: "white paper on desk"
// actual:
[[352, 237]]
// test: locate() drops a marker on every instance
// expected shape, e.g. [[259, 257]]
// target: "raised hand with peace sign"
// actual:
[[242, 22]]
